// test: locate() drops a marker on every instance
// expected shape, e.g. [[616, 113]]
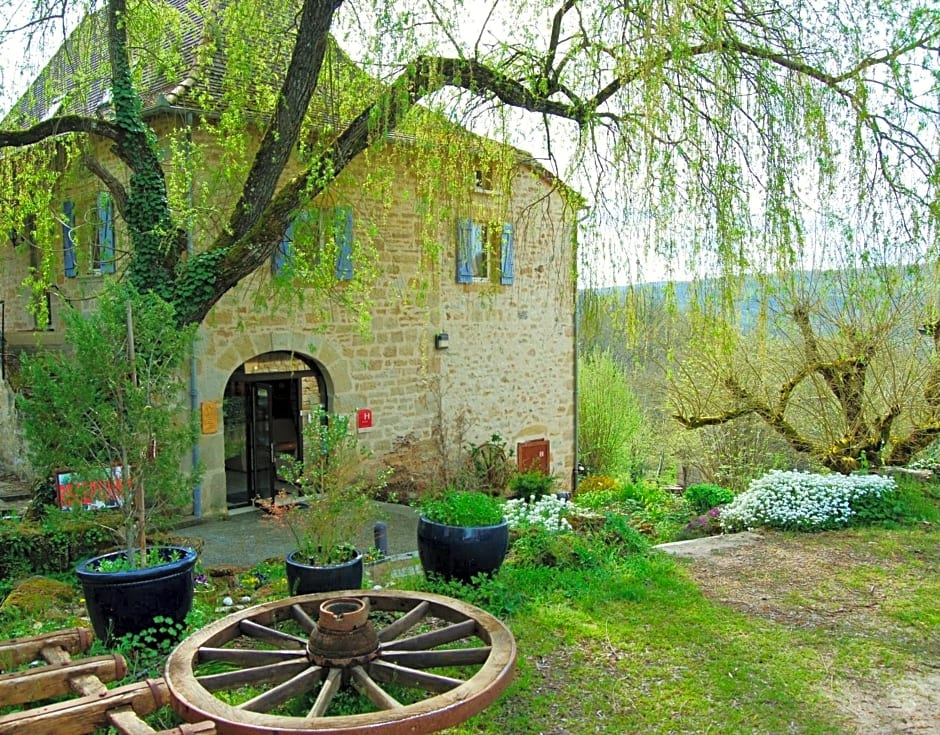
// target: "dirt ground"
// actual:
[[797, 582]]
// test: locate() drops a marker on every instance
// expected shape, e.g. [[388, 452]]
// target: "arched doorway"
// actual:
[[266, 401]]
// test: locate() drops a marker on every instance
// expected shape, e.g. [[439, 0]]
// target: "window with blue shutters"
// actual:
[[103, 251], [312, 230], [68, 243], [485, 251]]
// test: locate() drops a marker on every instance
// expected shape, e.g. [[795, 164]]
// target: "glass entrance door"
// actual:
[[261, 468]]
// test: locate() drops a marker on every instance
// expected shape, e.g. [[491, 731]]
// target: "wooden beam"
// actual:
[[84, 715], [18, 651], [53, 680]]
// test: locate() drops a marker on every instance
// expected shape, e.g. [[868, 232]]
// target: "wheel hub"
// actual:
[[343, 635]]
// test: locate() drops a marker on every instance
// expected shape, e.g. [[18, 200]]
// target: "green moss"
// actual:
[[37, 596]]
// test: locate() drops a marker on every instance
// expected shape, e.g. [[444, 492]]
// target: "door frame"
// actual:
[[296, 398]]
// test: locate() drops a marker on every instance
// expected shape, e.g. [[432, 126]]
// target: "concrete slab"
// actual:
[[698, 548], [247, 537]]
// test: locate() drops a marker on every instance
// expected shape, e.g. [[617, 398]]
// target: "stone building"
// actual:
[[469, 297]]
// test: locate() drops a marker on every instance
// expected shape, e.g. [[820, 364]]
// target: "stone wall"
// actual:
[[509, 368]]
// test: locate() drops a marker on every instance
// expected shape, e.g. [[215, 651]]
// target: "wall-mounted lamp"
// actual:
[[441, 341]]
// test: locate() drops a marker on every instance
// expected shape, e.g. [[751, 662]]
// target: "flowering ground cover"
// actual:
[[807, 501]]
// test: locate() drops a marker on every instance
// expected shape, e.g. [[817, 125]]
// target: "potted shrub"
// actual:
[[107, 415], [462, 533], [331, 507]]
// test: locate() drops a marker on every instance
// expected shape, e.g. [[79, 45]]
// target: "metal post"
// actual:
[[380, 533]]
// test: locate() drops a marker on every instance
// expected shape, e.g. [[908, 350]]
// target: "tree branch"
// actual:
[[57, 126]]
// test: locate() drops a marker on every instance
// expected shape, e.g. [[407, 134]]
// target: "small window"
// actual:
[[485, 252], [484, 178]]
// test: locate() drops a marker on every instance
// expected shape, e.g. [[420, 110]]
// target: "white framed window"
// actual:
[[485, 252]]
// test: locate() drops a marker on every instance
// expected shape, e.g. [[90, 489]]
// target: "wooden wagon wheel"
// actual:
[[419, 662]]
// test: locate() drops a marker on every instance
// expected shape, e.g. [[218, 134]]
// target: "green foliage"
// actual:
[[609, 418], [598, 483], [705, 496], [333, 458], [909, 502], [334, 482], [107, 401], [608, 494], [488, 466], [54, 543], [618, 534], [120, 562], [646, 506], [494, 593], [530, 485], [458, 507], [537, 546]]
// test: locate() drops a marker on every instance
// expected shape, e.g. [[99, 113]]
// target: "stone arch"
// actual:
[[218, 358]]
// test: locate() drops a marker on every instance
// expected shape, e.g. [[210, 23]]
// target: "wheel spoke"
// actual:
[[300, 615], [432, 659], [457, 659], [263, 632], [294, 687], [389, 673], [404, 623], [248, 657], [434, 638], [332, 684], [376, 694], [270, 674]]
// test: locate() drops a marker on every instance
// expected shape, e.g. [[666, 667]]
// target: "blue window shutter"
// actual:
[[68, 244], [464, 251], [506, 256], [105, 232], [342, 236], [285, 247]]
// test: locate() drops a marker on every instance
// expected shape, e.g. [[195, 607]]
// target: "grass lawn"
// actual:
[[641, 647], [836, 632]]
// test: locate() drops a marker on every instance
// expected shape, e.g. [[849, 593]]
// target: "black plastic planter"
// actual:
[[128, 601], [303, 579], [461, 552]]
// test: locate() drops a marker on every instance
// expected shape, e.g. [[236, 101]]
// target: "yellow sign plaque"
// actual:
[[209, 413]]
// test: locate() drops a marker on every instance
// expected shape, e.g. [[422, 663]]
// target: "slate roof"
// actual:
[[77, 78]]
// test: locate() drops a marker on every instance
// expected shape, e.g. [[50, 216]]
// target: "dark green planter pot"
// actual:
[[127, 602], [303, 579], [461, 552]]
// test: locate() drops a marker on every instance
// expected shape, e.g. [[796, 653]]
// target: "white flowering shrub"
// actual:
[[548, 511], [804, 501]]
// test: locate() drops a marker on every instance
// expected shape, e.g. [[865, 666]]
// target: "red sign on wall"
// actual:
[[364, 419]]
